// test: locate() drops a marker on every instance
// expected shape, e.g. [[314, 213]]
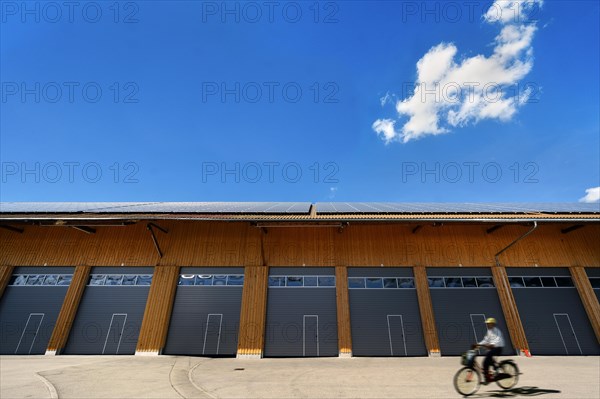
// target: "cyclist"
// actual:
[[493, 342]]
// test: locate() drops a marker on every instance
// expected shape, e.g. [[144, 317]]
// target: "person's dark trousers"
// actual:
[[487, 363]]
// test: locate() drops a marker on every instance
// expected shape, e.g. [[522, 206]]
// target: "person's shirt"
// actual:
[[493, 337]]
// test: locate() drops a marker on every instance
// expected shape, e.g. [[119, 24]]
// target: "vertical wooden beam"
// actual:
[[426, 310], [157, 315], [65, 319], [510, 310], [343, 312], [253, 316], [588, 297], [5, 274]]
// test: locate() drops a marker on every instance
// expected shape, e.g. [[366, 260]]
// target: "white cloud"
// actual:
[[515, 11], [387, 98], [592, 195], [385, 128], [450, 93]]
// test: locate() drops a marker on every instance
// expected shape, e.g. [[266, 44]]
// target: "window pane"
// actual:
[[548, 281], [18, 280], [406, 283], [144, 279], [485, 282], [204, 279], [390, 283], [326, 281], [276, 281], [64, 279], [595, 281], [310, 281], [235, 280], [516, 282], [469, 282], [51, 279], [36, 279], [374, 282], [97, 279], [453, 282], [220, 280], [436, 282], [532, 281], [113, 279], [294, 281], [564, 281], [128, 280], [187, 279], [356, 282]]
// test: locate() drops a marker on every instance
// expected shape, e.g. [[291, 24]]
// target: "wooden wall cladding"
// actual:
[[68, 311], [5, 274], [157, 315], [343, 311], [426, 310], [509, 308], [588, 297], [253, 314], [193, 243]]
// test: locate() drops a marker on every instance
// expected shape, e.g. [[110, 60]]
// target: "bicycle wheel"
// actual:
[[508, 374], [467, 381]]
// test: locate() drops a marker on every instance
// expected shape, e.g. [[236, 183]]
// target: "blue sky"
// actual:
[[188, 101]]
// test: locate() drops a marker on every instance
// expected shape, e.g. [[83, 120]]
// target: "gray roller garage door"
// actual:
[[301, 312], [29, 308], [111, 311], [462, 299], [551, 311], [206, 313], [594, 274], [384, 312]]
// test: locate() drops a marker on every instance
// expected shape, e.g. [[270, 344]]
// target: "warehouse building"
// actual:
[[297, 279]]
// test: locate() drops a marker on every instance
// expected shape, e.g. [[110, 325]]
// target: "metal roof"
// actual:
[[297, 207]]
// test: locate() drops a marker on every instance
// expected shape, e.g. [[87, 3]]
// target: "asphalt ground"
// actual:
[[196, 377]]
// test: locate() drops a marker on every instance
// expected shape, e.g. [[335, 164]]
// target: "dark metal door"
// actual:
[[115, 334], [385, 321], [311, 335], [212, 334], [23, 300], [30, 333], [553, 316]]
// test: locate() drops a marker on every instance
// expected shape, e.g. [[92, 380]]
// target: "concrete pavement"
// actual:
[[196, 377]]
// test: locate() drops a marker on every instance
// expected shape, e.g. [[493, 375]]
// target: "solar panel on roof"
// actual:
[[421, 207], [155, 207], [295, 207]]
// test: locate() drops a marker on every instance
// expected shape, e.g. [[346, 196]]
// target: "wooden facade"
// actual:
[[426, 311], [190, 243], [509, 308], [343, 312], [253, 317], [5, 274], [68, 311], [212, 243], [155, 325]]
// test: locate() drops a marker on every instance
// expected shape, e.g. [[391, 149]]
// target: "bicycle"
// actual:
[[468, 379]]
